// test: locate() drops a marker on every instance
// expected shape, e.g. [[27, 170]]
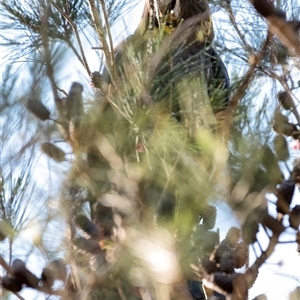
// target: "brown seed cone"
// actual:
[[295, 175], [285, 99], [223, 281], [74, 103], [294, 217], [52, 151], [11, 283], [209, 216], [47, 277], [287, 129], [281, 147], [38, 109], [226, 265], [87, 226], [88, 245], [75, 129], [280, 118], [224, 259], [241, 255], [55, 270], [209, 266], [284, 193], [23, 275], [96, 80], [232, 237]]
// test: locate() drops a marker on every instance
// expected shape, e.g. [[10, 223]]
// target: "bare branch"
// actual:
[[107, 25], [101, 34]]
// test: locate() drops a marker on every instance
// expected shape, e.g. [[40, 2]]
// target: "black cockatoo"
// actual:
[[187, 31]]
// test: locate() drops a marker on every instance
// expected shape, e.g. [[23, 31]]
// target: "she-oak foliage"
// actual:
[[146, 162]]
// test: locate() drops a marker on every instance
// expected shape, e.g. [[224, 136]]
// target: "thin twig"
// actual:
[[253, 248], [43, 289], [285, 85], [232, 19], [242, 88], [45, 41], [107, 25], [100, 31], [287, 89], [267, 253], [75, 52], [18, 296], [74, 27], [62, 91], [287, 242], [266, 231]]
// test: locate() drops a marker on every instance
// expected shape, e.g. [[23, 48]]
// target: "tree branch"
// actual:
[[112, 55], [278, 25], [100, 31], [242, 88]]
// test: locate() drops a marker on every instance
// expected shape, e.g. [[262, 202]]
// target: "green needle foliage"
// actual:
[[137, 155]]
